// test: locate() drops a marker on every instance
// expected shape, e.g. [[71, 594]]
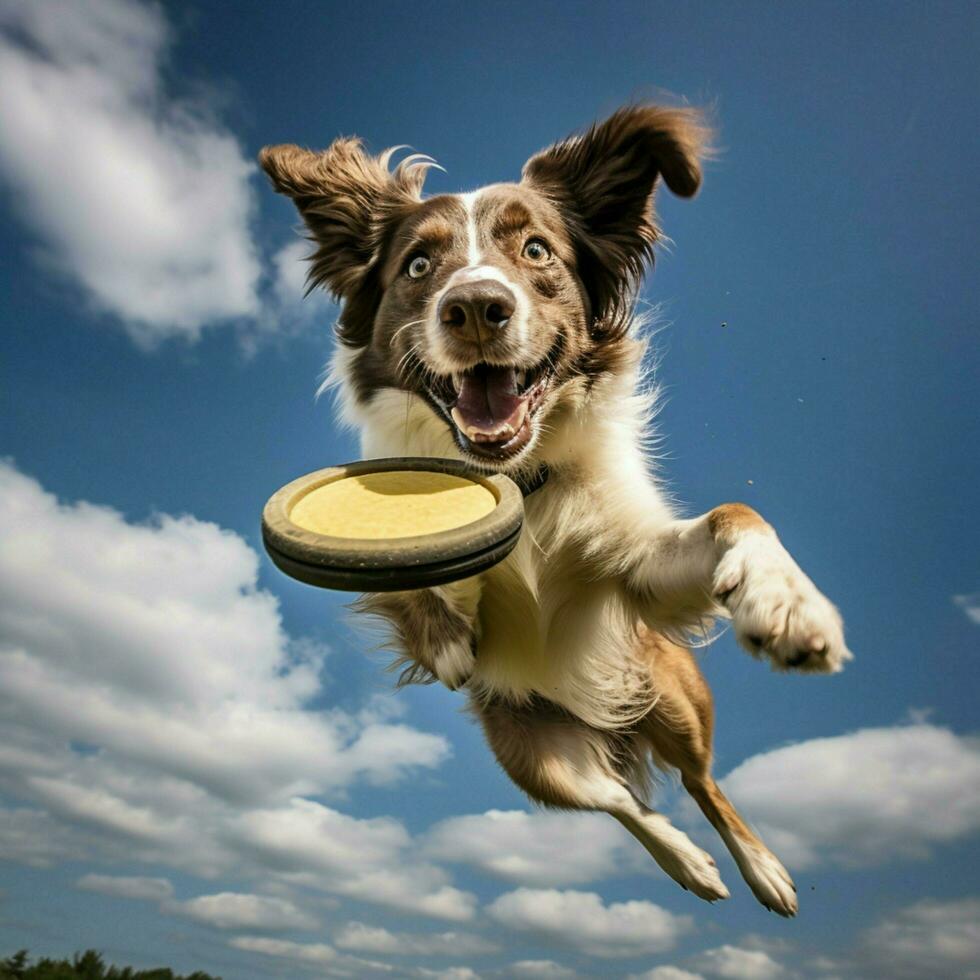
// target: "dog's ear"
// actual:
[[347, 199], [603, 181]]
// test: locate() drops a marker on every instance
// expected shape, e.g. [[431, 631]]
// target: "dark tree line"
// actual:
[[84, 966]]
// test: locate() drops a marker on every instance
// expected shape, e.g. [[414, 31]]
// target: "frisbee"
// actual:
[[385, 525]]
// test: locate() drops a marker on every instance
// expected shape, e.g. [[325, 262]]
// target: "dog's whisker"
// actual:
[[405, 326]]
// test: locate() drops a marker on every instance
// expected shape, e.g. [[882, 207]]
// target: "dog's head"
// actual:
[[490, 306]]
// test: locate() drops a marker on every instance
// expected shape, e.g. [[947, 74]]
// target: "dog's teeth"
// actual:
[[504, 432], [521, 378], [457, 381]]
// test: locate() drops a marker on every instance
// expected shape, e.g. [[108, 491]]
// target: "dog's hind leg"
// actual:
[[561, 762], [679, 729]]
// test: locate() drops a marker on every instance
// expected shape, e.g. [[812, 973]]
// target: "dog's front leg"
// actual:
[[435, 629], [730, 557]]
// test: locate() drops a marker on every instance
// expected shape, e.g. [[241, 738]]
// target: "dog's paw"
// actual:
[[765, 875], [453, 663], [776, 610], [699, 875], [694, 870]]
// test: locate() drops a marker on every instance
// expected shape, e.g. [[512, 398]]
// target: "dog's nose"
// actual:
[[476, 311]]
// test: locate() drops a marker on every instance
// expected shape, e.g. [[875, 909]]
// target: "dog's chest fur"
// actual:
[[550, 623], [553, 618]]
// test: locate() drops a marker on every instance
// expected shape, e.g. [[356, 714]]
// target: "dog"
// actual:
[[498, 327]]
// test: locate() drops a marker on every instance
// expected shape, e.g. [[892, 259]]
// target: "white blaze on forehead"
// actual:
[[472, 236], [475, 270]]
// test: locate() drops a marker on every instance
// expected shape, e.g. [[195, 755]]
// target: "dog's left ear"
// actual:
[[604, 181]]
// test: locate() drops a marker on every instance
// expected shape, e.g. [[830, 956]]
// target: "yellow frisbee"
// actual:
[[392, 524]]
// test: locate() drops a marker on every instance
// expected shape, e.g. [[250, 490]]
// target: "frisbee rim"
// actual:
[[395, 579], [352, 557]]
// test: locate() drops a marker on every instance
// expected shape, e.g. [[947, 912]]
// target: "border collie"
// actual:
[[498, 327]]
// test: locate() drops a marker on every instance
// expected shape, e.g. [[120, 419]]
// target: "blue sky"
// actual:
[[202, 762]]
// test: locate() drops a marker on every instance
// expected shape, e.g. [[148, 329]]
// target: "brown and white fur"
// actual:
[[569, 649]]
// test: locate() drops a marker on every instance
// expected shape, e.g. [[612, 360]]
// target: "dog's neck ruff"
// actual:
[[534, 481]]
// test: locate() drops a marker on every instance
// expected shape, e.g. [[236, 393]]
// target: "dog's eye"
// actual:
[[418, 266], [536, 250]]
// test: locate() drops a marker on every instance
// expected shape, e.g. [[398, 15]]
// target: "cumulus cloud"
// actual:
[[666, 973], [139, 196], [292, 306], [534, 848], [736, 963], [581, 920], [138, 638], [136, 194], [310, 953], [928, 939], [146, 889], [970, 604], [233, 910], [32, 837], [862, 798], [224, 910], [156, 710], [363, 938], [287, 310], [540, 970], [368, 859], [327, 961], [450, 973]]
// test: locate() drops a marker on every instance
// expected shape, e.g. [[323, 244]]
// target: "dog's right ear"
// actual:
[[347, 199]]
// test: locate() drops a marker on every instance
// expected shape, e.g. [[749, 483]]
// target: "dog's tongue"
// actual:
[[488, 398]]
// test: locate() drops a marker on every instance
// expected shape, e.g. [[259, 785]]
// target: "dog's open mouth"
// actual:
[[492, 406]]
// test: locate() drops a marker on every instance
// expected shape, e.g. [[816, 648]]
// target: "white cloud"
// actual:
[[450, 973], [826, 967], [141, 197], [666, 973], [363, 938], [319, 958], [233, 910], [290, 272], [293, 308], [928, 939], [147, 889], [224, 910], [540, 970], [155, 710], [136, 194], [313, 953], [372, 859], [534, 848], [735, 963], [862, 798], [581, 920], [970, 604], [139, 638], [34, 838], [327, 960], [286, 309]]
